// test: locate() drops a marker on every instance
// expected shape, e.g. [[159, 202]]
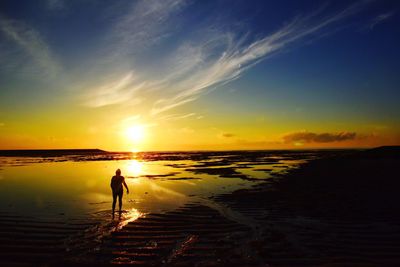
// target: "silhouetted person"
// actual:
[[117, 190]]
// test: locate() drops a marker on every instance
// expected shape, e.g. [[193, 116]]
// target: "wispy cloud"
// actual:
[[140, 26], [33, 52], [143, 25], [310, 137], [175, 117], [55, 5], [132, 118], [380, 18], [117, 91], [236, 56], [196, 62]]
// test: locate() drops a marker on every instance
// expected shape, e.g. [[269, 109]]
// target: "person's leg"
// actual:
[[113, 204], [120, 201]]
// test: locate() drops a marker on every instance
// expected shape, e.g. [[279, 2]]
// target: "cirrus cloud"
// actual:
[[196, 62], [26, 49], [380, 18]]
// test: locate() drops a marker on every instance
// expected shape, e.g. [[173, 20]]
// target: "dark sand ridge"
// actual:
[[26, 241], [340, 211], [312, 217]]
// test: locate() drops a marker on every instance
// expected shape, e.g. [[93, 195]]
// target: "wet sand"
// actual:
[[341, 210], [337, 211], [27, 241]]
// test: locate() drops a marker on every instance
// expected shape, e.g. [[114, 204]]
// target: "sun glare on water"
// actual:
[[135, 168]]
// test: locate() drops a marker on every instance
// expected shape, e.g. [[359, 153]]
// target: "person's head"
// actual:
[[118, 172]]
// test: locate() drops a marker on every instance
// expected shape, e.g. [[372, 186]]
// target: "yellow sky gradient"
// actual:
[[103, 129]]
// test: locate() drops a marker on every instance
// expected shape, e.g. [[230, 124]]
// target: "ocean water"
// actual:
[[78, 186]]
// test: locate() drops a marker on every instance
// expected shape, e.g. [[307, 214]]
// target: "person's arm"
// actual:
[[126, 186]]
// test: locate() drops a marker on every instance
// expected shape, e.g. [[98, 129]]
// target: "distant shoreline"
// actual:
[[49, 152], [62, 152], [96, 151]]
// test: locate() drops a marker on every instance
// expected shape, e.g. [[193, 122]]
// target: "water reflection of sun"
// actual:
[[134, 168], [130, 216]]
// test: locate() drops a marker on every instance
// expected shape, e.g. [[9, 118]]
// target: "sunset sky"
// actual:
[[196, 75]]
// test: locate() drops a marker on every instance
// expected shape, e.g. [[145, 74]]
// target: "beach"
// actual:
[[233, 208], [180, 133]]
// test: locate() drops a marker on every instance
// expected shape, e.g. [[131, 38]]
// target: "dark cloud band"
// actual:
[[309, 137]]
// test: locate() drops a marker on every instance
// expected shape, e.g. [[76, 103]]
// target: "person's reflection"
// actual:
[[117, 190]]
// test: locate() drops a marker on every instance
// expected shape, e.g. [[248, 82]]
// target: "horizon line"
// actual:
[[194, 150]]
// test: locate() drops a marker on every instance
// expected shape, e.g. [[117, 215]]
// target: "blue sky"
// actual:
[[295, 62]]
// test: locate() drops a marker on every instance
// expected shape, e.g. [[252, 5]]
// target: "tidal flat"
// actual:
[[231, 208]]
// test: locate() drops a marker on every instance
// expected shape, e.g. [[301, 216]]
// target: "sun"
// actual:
[[135, 133]]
